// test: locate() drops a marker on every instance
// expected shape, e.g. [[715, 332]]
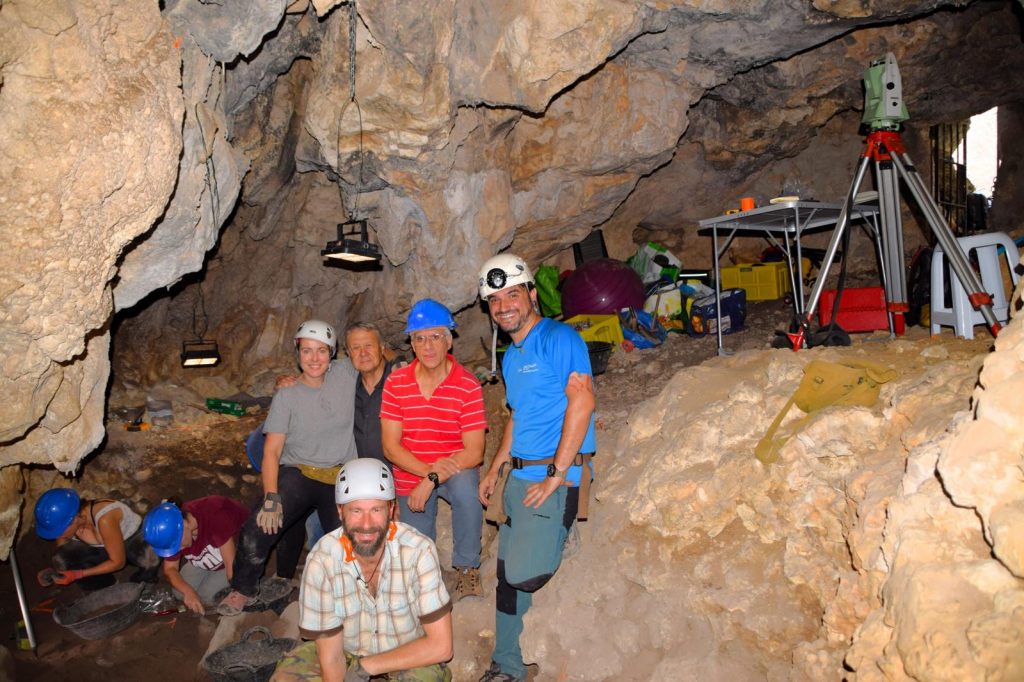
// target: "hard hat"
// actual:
[[427, 313], [364, 478], [501, 272], [254, 448], [163, 529], [318, 330], [55, 511]]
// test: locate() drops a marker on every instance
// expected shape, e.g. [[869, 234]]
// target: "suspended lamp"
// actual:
[[352, 245], [199, 352]]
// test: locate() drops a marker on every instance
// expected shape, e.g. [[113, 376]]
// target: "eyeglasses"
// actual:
[[424, 339]]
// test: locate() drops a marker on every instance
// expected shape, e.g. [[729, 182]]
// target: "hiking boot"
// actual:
[[494, 674], [468, 584]]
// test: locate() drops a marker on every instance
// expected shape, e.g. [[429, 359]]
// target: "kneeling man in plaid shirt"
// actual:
[[372, 600]]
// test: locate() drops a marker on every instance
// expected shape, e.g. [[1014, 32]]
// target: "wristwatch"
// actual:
[[553, 471], [433, 478]]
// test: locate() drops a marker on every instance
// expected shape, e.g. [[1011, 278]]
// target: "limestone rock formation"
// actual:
[[486, 126], [874, 529], [139, 138], [209, 180], [92, 112]]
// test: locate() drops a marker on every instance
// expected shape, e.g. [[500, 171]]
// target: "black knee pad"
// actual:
[[505, 595], [532, 584]]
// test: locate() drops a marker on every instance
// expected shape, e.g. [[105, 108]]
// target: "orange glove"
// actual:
[[68, 577]]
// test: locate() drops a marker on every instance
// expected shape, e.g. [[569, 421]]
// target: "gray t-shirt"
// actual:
[[317, 422]]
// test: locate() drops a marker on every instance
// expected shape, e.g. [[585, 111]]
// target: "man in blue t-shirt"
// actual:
[[548, 442]]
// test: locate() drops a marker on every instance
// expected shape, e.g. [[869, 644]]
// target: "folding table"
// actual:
[[789, 221]]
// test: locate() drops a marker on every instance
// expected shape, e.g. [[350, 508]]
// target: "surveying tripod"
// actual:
[[884, 111]]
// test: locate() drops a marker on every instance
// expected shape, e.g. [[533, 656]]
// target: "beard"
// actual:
[[366, 549], [511, 326]]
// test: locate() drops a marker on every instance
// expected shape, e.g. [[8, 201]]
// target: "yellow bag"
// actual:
[[852, 382], [328, 475]]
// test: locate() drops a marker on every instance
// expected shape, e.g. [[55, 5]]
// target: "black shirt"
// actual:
[[366, 426]]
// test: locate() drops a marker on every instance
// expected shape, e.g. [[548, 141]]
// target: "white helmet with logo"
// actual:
[[501, 272], [318, 330], [364, 478]]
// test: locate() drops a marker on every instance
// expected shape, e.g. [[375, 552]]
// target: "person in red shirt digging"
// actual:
[[197, 543]]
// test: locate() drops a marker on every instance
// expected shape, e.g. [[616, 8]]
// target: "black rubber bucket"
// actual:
[[103, 612], [600, 351], [250, 659]]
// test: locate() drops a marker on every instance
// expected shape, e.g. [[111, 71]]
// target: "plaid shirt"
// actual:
[[409, 586]]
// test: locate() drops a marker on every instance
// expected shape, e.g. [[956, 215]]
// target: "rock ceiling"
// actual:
[[145, 142]]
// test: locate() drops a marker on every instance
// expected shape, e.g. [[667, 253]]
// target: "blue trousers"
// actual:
[[529, 552], [460, 491]]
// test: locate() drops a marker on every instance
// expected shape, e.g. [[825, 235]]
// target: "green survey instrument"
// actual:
[[884, 112]]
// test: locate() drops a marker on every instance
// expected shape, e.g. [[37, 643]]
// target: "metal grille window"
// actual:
[[949, 173]]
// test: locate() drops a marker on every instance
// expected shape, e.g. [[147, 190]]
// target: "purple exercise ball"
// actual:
[[601, 287]]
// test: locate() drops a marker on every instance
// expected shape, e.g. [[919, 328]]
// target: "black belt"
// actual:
[[520, 463]]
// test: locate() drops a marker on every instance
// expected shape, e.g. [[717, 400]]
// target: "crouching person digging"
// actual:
[[372, 601]]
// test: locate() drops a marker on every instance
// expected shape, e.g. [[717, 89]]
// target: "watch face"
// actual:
[[552, 471]]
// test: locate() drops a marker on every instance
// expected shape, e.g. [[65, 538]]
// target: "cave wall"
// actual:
[[137, 137], [92, 111], [659, 129]]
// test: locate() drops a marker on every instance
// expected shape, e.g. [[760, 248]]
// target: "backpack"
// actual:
[[851, 382]]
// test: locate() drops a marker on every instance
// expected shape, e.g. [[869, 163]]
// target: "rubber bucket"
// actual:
[[250, 659], [103, 612], [600, 351]]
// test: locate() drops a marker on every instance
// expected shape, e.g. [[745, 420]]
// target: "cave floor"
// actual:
[[191, 460]]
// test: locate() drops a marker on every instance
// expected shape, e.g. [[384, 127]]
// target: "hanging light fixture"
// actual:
[[344, 248], [353, 246], [199, 352]]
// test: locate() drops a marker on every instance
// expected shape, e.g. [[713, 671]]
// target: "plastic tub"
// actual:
[[103, 612], [249, 659]]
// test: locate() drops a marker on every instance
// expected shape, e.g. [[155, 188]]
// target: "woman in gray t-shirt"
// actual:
[[308, 436]]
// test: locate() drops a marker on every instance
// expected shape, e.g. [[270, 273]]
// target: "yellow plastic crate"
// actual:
[[762, 281], [598, 328]]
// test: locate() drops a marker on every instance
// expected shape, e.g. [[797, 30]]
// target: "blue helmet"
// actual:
[[55, 511], [163, 529], [427, 313], [254, 448]]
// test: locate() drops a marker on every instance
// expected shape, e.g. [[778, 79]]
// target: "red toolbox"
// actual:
[[860, 310]]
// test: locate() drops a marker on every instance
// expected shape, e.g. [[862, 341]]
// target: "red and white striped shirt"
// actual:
[[432, 427]]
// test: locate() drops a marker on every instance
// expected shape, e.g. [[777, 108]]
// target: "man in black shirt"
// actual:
[[366, 350]]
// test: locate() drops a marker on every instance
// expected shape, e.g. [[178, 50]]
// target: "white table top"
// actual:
[[790, 216]]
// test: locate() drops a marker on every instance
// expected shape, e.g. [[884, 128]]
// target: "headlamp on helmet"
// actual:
[[501, 272]]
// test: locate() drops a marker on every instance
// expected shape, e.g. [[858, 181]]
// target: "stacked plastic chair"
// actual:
[[987, 250]]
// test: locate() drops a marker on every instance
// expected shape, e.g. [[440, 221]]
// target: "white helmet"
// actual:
[[318, 330], [364, 478], [501, 272]]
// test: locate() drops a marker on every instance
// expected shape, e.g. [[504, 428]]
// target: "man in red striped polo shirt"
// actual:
[[432, 429]]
